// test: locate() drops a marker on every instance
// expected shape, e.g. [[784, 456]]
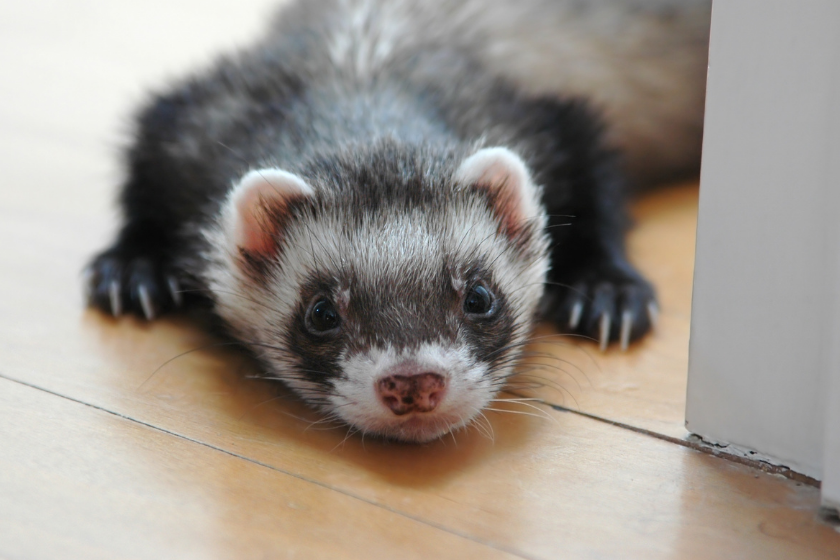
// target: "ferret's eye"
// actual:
[[479, 301], [323, 316]]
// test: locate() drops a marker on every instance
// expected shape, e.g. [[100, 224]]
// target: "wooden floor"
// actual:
[[110, 450]]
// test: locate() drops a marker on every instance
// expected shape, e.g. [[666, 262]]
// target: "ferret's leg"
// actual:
[[592, 289], [137, 273]]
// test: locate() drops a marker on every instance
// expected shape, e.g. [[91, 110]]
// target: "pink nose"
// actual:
[[421, 392]]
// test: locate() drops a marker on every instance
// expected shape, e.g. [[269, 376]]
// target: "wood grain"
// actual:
[[545, 487], [78, 482]]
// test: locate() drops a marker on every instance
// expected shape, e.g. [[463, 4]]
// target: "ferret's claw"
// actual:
[[175, 290], [653, 314], [146, 302], [114, 296], [604, 338], [626, 325], [576, 314]]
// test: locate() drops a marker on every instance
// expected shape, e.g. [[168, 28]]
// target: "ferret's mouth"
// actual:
[[418, 427]]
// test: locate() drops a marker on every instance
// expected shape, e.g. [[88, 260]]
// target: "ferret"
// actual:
[[381, 197]]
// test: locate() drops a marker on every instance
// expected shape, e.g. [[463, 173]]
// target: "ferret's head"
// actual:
[[395, 294]]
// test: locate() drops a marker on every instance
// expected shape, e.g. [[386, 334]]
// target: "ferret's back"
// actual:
[[641, 63]]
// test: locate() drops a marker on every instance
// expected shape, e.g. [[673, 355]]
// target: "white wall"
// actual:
[[831, 445], [764, 294]]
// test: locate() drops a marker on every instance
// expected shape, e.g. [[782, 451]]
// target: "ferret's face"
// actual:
[[401, 314]]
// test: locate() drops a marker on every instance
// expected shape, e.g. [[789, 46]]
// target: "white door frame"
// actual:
[[764, 360]]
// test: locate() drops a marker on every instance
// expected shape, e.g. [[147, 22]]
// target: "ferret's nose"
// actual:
[[420, 392]]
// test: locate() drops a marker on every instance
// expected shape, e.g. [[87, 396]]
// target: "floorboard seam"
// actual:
[[698, 445], [265, 465]]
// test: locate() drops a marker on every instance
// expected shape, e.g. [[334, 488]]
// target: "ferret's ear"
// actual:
[[507, 180], [256, 207]]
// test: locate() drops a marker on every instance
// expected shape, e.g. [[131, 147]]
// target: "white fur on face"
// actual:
[[383, 250], [468, 389]]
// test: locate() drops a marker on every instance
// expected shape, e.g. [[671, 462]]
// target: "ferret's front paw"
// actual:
[[607, 304], [117, 282]]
